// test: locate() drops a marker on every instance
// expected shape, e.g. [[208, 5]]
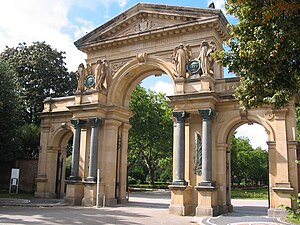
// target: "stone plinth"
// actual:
[[280, 195], [75, 191], [207, 83], [90, 194], [206, 206], [181, 200]]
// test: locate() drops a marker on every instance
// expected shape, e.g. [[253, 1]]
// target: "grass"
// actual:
[[293, 220], [246, 193], [4, 194]]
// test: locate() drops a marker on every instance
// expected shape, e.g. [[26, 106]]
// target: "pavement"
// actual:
[[144, 208]]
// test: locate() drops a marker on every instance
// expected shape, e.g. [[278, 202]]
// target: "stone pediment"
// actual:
[[145, 18]]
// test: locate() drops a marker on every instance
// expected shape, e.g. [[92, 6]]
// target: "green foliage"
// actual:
[[41, 73], [294, 214], [68, 166], [10, 113], [29, 138], [32, 73], [255, 193], [248, 165], [264, 51], [150, 138]]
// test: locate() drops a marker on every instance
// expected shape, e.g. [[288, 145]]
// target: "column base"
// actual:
[[206, 184], [91, 179], [75, 192], [73, 178], [179, 183], [90, 194], [182, 200], [206, 201]]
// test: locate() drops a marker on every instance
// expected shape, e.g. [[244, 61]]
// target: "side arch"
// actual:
[[227, 130], [61, 136], [130, 75]]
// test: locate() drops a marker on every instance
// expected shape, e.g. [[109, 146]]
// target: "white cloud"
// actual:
[[256, 134], [163, 87], [47, 20], [34, 20]]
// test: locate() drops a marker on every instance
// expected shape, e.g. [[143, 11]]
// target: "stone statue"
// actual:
[[205, 57], [101, 72], [198, 154], [80, 74], [180, 58]]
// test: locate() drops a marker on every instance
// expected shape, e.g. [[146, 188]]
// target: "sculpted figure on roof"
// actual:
[[205, 57], [181, 56], [101, 73], [80, 75]]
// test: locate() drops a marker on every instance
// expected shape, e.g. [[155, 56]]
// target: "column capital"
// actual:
[[207, 114], [95, 121], [181, 116], [77, 123]]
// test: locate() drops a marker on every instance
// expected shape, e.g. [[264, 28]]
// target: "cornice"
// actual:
[[161, 32]]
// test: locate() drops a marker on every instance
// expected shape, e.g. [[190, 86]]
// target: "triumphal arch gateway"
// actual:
[[152, 39]]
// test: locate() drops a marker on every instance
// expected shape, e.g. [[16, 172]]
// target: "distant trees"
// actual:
[[29, 74], [248, 166], [10, 111], [150, 138], [41, 72]]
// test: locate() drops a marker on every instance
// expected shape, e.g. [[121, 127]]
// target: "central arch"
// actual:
[[132, 73]]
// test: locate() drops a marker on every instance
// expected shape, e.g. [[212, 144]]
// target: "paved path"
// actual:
[[144, 209], [246, 212]]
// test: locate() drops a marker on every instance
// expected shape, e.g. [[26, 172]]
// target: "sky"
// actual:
[[61, 22]]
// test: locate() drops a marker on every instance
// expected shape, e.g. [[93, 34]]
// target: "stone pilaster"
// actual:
[[95, 123], [76, 149], [180, 147]]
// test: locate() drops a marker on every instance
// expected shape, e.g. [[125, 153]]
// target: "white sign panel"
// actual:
[[15, 173]]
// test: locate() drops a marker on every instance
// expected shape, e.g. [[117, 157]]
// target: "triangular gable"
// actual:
[[143, 18]]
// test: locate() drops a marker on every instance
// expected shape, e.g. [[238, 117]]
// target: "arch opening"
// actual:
[[64, 144], [248, 169], [150, 139], [131, 74]]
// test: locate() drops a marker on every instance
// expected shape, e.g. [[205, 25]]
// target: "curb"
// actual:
[[29, 203]]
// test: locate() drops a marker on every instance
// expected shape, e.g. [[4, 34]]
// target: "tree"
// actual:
[[248, 165], [29, 135], [41, 73], [9, 110], [264, 51], [150, 137]]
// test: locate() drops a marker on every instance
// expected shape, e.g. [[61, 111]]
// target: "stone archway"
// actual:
[[132, 73], [157, 39], [51, 178]]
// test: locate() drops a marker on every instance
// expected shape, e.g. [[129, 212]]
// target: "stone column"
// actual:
[[180, 147], [206, 178], [95, 123], [76, 149]]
